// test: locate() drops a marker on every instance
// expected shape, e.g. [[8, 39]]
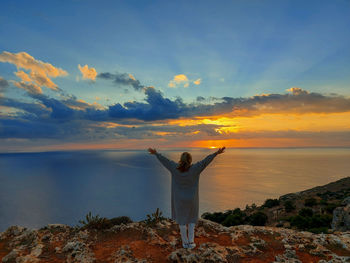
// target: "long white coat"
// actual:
[[184, 189]]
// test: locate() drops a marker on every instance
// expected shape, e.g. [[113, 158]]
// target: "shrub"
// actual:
[[310, 202], [120, 220], [315, 223], [233, 220], [257, 219], [331, 206], [318, 221], [235, 217], [154, 218], [323, 202], [319, 230], [217, 217], [289, 206], [306, 212], [94, 222], [271, 203], [300, 222]]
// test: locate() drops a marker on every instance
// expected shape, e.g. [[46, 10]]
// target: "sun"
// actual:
[[212, 147]]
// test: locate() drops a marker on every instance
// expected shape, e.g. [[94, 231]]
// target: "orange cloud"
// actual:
[[23, 76], [40, 72], [88, 73], [197, 82], [179, 80]]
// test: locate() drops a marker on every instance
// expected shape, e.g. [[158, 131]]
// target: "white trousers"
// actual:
[[183, 231]]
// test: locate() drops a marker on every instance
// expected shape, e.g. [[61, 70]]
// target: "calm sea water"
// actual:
[[62, 187]]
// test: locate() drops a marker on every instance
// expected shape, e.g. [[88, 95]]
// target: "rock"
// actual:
[[12, 231], [36, 251], [29, 237], [346, 201], [73, 246], [341, 218], [11, 257], [78, 252]]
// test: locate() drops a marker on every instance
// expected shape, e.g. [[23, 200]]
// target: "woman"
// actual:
[[184, 191]]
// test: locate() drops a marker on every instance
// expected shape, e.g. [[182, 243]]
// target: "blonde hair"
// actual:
[[185, 162]]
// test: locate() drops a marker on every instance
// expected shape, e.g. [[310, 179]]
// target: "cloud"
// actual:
[[156, 108], [3, 84], [122, 79], [35, 110], [69, 118], [39, 71], [197, 82], [297, 91], [178, 80], [23, 76], [88, 73], [30, 87]]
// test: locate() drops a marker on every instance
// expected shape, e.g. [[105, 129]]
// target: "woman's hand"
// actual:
[[152, 151], [221, 150]]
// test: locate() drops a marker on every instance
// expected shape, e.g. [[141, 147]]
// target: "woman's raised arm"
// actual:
[[169, 164], [207, 160]]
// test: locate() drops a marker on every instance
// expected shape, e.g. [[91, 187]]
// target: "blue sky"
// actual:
[[236, 48]]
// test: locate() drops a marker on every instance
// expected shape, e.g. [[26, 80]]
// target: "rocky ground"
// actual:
[[137, 242]]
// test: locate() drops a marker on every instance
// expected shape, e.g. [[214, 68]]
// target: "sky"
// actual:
[[173, 74]]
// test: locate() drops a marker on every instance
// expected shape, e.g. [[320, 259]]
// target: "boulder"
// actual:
[[341, 216]]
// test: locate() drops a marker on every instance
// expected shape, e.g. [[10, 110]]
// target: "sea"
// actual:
[[43, 188]]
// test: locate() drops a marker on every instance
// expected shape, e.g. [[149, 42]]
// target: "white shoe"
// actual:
[[185, 245], [191, 245]]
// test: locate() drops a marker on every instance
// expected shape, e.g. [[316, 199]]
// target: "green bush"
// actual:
[[331, 206], [289, 206], [271, 203], [257, 219], [217, 217], [310, 202], [97, 222], [323, 202], [234, 217], [120, 220], [306, 212], [319, 230], [233, 220], [94, 222], [154, 218], [312, 223], [300, 222], [318, 221]]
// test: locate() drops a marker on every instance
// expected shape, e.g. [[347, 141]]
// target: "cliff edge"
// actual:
[[137, 242]]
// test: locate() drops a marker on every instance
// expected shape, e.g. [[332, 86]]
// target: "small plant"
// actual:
[[289, 206], [217, 217], [94, 222], [154, 218], [331, 206], [271, 203], [310, 202], [120, 220], [306, 212], [257, 219], [235, 217], [323, 202]]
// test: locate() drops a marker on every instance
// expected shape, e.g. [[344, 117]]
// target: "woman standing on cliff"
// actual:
[[184, 191]]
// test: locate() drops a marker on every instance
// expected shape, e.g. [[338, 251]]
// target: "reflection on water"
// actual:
[[62, 187]]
